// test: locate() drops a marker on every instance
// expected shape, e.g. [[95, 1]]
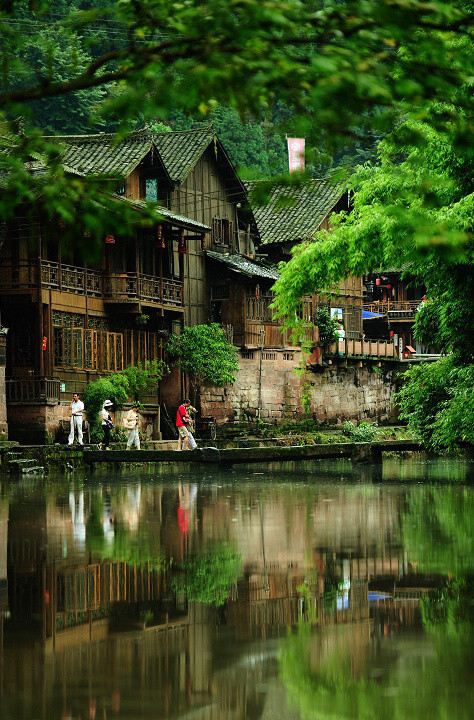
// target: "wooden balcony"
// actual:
[[274, 337], [115, 287], [32, 389], [134, 288], [395, 309], [365, 348]]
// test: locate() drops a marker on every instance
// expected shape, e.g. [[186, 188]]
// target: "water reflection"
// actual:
[[238, 595]]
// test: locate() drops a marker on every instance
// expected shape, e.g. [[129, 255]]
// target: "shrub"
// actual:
[[365, 432]]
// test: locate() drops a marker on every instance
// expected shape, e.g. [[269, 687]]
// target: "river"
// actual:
[[291, 592]]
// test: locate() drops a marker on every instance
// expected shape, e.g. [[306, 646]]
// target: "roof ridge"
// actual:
[[208, 128]]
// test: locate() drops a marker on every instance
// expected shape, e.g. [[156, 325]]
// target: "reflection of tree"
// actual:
[[124, 545], [450, 609], [436, 529], [437, 535], [327, 681], [207, 578]]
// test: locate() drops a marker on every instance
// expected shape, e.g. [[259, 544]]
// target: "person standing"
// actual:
[[107, 424], [182, 422], [131, 424], [76, 409]]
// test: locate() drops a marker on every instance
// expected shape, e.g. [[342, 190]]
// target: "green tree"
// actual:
[[413, 210], [129, 384], [205, 355], [339, 68]]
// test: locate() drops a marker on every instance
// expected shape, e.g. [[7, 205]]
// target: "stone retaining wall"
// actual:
[[347, 389]]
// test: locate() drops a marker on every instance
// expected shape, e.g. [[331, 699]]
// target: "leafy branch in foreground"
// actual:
[[340, 69]]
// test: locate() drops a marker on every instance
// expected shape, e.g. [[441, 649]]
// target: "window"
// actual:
[[222, 230], [88, 349]]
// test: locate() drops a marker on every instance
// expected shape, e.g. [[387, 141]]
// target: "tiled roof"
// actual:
[[244, 265], [102, 154], [167, 214], [294, 213], [180, 151]]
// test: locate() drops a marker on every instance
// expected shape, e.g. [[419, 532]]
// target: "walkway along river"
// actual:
[[35, 458]]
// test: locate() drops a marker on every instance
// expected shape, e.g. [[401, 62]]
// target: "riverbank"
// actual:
[[35, 459]]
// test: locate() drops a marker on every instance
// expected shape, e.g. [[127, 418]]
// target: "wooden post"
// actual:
[[40, 328]]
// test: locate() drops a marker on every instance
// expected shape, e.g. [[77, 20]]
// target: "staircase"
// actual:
[[17, 463]]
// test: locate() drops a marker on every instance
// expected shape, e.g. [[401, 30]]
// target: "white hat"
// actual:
[[107, 403]]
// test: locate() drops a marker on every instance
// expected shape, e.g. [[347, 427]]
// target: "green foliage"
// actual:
[[208, 578], [327, 327], [365, 432], [436, 530], [120, 387], [438, 403], [427, 323], [143, 378], [449, 610], [337, 71], [205, 355], [327, 677]]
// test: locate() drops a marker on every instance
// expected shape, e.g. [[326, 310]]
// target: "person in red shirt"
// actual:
[[182, 422]]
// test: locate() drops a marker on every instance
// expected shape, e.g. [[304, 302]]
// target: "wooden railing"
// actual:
[[122, 287], [398, 306], [32, 389], [366, 348], [275, 337], [21, 274]]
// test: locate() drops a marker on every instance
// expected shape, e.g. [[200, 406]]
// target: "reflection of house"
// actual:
[[3, 558]]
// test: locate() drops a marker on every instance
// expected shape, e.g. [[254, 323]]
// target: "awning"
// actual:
[[367, 315]]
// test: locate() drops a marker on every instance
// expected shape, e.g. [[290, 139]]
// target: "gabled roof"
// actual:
[[180, 151], [102, 154], [244, 265], [294, 213]]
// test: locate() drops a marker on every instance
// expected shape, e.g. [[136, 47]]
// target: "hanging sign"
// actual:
[[295, 153]]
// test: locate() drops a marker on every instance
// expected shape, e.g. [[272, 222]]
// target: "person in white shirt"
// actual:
[[131, 424], [77, 410]]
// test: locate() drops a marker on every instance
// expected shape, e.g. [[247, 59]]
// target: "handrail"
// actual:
[[82, 281], [392, 306], [35, 388]]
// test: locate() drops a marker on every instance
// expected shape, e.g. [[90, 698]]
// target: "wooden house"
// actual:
[[69, 323], [296, 214], [391, 299], [241, 298]]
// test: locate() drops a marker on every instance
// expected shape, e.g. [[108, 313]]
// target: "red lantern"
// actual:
[[378, 282], [160, 241], [45, 343], [389, 287], [391, 333], [182, 245], [257, 292], [109, 240]]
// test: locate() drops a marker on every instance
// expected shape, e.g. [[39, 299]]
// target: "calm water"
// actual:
[[299, 591]]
